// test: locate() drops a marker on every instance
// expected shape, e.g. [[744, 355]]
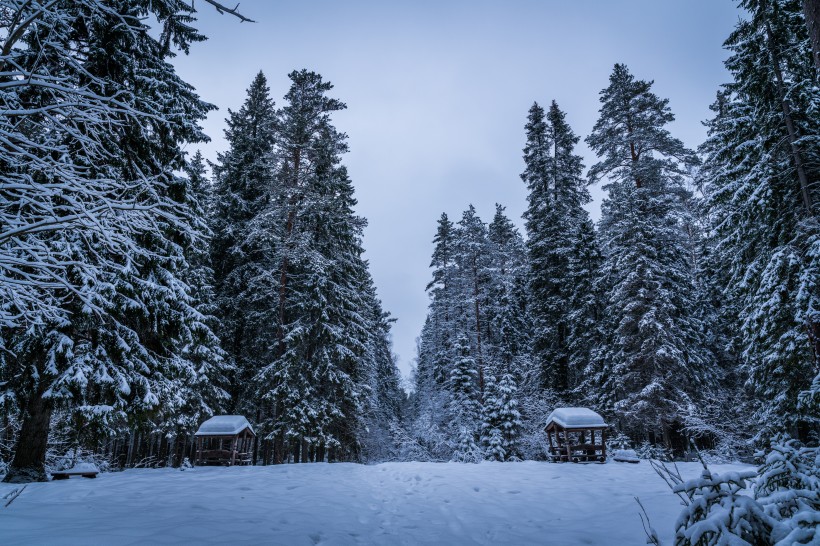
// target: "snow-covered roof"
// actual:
[[576, 418], [224, 425]]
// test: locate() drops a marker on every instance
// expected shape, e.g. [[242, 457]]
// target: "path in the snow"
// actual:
[[392, 504]]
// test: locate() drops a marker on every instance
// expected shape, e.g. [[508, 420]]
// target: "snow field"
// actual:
[[310, 504]]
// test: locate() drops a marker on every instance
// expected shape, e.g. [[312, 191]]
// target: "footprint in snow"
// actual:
[[291, 487], [316, 538], [476, 489], [514, 492]]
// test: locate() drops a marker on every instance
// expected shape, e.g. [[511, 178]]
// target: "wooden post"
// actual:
[[603, 443], [566, 441]]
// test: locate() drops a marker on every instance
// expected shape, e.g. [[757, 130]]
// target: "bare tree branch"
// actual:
[[223, 10]]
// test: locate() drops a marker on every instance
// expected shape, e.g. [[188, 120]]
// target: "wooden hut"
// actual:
[[224, 440], [577, 435]]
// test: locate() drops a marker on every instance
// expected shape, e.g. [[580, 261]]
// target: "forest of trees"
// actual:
[[688, 316], [143, 290], [139, 295]]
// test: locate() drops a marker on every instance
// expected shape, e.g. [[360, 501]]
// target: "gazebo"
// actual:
[[224, 440], [571, 433]]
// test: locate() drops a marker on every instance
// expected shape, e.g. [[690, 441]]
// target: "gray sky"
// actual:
[[438, 92]]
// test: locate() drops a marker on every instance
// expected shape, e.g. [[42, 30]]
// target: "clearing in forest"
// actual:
[[390, 503]]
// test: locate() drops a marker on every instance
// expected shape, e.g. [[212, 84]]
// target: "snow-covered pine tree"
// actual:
[[245, 291], [650, 362], [507, 337], [444, 297], [536, 176], [48, 190], [465, 404], [506, 317], [554, 219], [316, 379], [501, 426], [436, 345], [761, 154], [716, 510], [383, 424], [112, 353], [472, 259], [201, 393], [584, 303]]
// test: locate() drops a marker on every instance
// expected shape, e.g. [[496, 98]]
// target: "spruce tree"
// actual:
[[244, 242], [507, 322], [465, 405], [436, 347], [761, 155], [317, 374], [501, 427], [554, 218], [472, 258], [650, 364], [130, 326]]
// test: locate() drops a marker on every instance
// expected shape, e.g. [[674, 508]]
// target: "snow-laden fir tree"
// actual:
[[316, 379], [382, 426], [760, 159], [122, 339], [778, 503], [436, 346], [472, 259], [246, 291], [202, 393], [650, 362], [508, 327], [501, 426], [465, 404], [555, 218]]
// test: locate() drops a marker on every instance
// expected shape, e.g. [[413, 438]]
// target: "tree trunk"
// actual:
[[811, 9], [30, 456], [278, 449], [790, 127], [479, 359]]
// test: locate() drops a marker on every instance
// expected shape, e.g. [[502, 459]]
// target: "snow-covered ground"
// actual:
[[392, 503]]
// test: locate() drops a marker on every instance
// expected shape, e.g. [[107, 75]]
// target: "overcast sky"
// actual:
[[438, 92]]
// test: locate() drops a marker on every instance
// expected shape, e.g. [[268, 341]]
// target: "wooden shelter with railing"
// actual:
[[577, 435], [224, 440]]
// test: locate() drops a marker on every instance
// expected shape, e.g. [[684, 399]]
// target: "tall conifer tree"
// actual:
[[761, 156], [244, 242], [650, 363]]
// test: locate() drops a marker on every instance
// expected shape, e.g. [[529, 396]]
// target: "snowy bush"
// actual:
[[620, 441], [783, 510], [716, 510], [788, 489], [649, 451]]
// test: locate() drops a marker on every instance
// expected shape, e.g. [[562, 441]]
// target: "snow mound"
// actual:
[[227, 425], [83, 467], [576, 418], [625, 456]]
